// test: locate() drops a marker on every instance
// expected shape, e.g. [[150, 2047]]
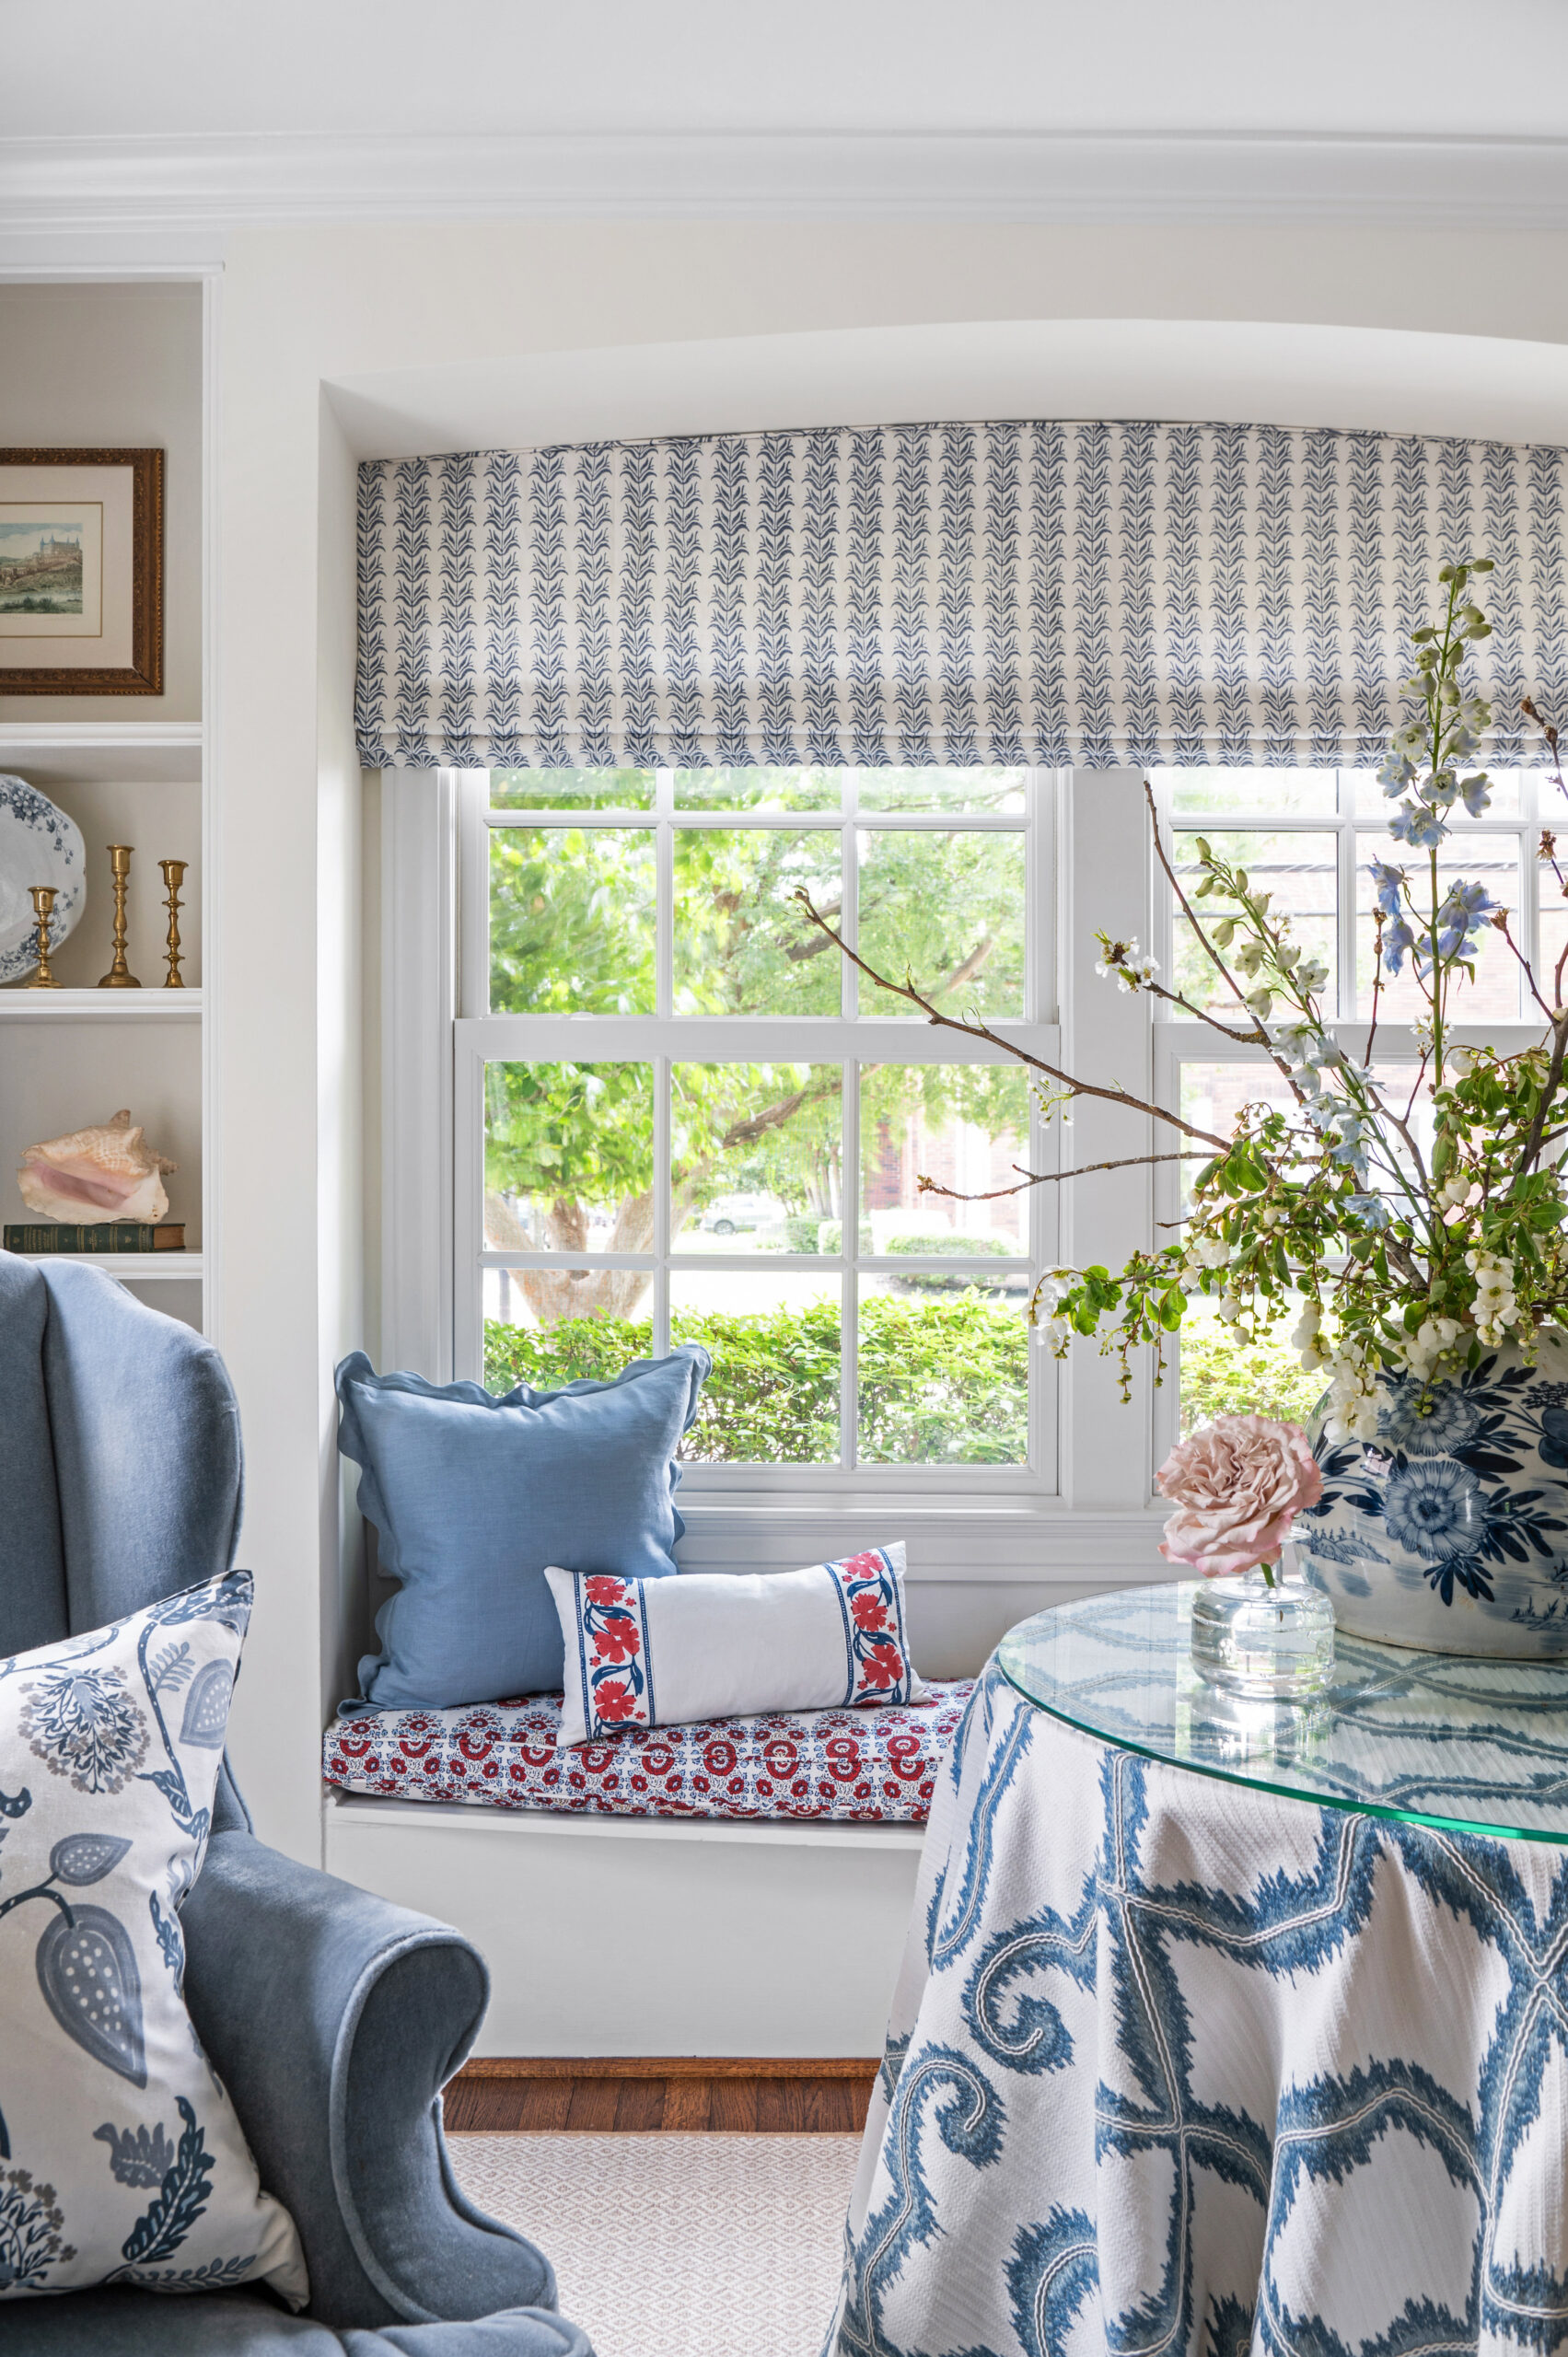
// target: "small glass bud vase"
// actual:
[[1269, 1643]]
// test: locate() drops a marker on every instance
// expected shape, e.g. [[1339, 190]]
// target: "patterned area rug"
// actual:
[[673, 2246]]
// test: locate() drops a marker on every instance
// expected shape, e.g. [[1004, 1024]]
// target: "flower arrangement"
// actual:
[[1392, 1241], [1240, 1484]]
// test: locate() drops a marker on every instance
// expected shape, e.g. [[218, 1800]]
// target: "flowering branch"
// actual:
[[1051, 1177], [976, 1029], [1395, 1252]]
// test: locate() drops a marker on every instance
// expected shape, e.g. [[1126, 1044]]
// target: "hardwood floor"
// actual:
[[519, 2096]]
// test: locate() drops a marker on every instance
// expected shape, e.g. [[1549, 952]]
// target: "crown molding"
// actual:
[[131, 184]]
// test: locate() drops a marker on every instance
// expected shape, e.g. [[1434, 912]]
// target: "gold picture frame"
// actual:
[[81, 572]]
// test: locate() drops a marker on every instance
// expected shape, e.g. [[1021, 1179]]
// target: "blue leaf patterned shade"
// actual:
[[944, 594]]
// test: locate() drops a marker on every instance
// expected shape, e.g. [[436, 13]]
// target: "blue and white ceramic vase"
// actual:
[[1450, 1531]]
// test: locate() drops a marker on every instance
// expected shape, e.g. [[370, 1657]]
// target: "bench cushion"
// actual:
[[867, 1766]]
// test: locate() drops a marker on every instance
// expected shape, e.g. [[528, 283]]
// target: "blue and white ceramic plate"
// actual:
[[38, 845]]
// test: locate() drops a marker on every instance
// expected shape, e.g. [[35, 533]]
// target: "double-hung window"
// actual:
[[1308, 837], [681, 1114]]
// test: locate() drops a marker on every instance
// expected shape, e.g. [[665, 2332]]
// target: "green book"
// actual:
[[118, 1236]]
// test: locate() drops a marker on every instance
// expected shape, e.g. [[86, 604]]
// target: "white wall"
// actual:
[[361, 306], [117, 367]]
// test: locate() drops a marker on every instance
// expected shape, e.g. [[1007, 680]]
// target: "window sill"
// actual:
[[954, 1540]]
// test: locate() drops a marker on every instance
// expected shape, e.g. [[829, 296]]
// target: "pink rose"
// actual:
[[1240, 1484]]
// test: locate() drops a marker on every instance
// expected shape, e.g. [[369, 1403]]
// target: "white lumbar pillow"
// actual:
[[722, 1645], [122, 2160]]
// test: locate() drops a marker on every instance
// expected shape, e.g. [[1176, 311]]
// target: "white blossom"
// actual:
[[1429, 1344]]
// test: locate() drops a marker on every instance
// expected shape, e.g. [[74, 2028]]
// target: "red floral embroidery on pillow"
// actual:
[[614, 1700], [614, 1634], [879, 1659]]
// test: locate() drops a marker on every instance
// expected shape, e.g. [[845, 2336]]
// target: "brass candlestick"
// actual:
[[119, 977], [43, 896], [173, 877]]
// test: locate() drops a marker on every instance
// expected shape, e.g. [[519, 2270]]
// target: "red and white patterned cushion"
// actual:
[[877, 1765]]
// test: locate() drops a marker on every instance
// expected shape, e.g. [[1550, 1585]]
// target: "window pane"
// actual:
[[948, 908], [569, 1162], [758, 789], [742, 944], [1213, 1097], [1219, 1377], [773, 1398], [1248, 794], [571, 914], [1492, 860], [943, 1370], [1299, 872], [963, 1125], [756, 1157], [1371, 802], [537, 1331], [994, 789], [572, 789], [1553, 934]]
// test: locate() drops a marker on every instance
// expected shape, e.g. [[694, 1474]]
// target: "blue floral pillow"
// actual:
[[122, 2160]]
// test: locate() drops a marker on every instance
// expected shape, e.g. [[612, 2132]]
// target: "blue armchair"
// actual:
[[333, 2017]]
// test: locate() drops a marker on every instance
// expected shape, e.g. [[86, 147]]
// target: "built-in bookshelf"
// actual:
[[127, 772], [74, 1055]]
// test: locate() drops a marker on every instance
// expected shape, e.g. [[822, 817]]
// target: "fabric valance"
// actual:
[[949, 593]]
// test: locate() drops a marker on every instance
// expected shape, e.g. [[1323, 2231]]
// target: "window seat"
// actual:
[[847, 1767]]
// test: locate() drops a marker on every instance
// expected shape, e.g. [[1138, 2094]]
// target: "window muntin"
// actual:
[[1307, 836], [679, 1087]]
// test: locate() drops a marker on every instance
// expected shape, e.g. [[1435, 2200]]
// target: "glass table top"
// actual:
[[1439, 1739]]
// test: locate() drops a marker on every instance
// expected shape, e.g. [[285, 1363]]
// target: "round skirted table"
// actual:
[[1227, 2026]]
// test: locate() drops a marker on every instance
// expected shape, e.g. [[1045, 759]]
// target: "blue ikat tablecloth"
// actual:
[[1178, 2066]]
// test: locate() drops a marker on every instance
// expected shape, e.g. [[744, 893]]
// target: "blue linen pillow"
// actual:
[[472, 1496]]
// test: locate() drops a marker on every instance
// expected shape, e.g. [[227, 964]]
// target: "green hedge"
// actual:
[[940, 1382], [1222, 1377]]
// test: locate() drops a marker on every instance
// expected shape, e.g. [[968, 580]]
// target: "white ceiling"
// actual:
[[92, 69]]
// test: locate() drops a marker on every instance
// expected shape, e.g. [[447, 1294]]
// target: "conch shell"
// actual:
[[95, 1176]]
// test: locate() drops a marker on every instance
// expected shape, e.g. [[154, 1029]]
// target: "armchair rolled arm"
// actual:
[[334, 2019]]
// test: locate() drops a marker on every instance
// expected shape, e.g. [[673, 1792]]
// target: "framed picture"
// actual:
[[81, 572]]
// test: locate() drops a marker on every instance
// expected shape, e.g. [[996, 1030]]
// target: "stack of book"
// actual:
[[118, 1236]]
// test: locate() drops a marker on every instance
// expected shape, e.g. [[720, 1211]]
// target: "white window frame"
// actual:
[[1084, 1509]]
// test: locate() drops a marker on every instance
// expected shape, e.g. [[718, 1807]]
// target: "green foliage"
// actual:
[[572, 931], [1223, 1377], [949, 910], [572, 789], [743, 945], [940, 1382], [950, 1241], [581, 1132], [946, 1243], [571, 920]]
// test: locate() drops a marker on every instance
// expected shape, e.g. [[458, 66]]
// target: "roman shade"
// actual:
[[1048, 592]]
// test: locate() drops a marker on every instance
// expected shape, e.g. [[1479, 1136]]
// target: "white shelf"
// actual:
[[155, 1005], [126, 752], [172, 1265]]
